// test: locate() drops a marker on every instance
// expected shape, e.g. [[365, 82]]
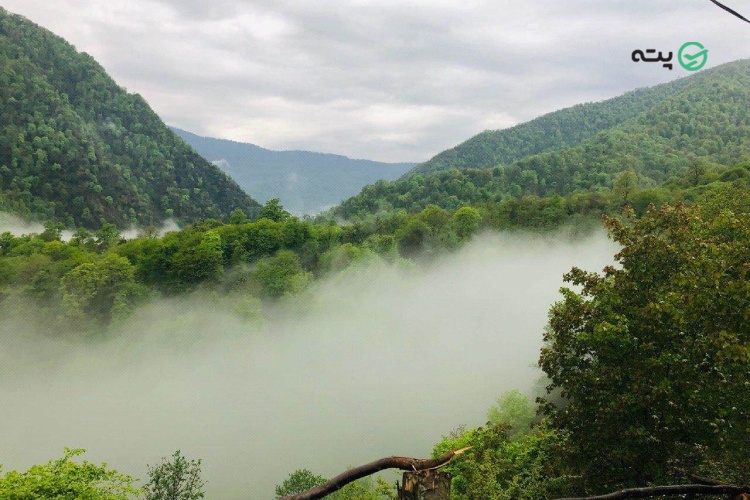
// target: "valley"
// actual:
[[564, 300]]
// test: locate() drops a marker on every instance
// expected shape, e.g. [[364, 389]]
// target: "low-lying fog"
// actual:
[[372, 363], [18, 226]]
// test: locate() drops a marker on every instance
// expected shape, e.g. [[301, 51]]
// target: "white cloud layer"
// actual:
[[386, 80]]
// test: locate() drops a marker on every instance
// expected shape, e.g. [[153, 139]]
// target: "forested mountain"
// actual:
[[306, 182], [697, 121], [77, 148], [555, 130]]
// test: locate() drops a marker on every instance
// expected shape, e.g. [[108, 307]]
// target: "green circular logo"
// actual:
[[692, 56]]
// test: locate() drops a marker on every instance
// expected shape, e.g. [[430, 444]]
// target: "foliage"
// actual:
[[78, 149], [237, 216], [553, 131], [101, 289], [102, 276], [680, 129], [302, 480], [499, 467], [652, 356], [65, 479], [624, 187], [365, 489], [299, 481], [466, 221], [280, 275], [412, 238], [514, 410], [273, 210], [175, 479]]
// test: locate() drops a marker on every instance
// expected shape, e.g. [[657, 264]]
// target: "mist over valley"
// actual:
[[377, 361], [280, 316]]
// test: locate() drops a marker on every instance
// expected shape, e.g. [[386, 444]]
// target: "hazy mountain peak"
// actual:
[[305, 181]]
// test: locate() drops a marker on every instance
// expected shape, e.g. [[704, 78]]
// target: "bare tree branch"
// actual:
[[704, 480], [661, 491], [352, 475]]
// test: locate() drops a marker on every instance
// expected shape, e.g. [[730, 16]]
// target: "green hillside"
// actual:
[[77, 148], [552, 131], [699, 120]]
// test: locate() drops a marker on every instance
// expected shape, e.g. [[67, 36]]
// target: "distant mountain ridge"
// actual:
[[77, 148], [655, 133], [306, 182]]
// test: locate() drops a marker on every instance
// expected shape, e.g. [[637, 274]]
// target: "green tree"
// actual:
[[107, 236], [273, 210], [298, 481], [175, 479], [625, 186], [52, 231], [412, 238], [502, 468], [363, 489], [652, 356], [280, 274], [65, 479], [76, 147], [696, 170], [237, 216], [82, 238], [341, 257], [514, 410], [200, 260], [466, 221], [102, 289], [435, 217]]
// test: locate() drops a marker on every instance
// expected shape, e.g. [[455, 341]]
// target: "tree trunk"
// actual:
[[403, 463], [425, 485]]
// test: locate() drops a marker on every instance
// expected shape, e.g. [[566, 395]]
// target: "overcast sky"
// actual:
[[391, 80]]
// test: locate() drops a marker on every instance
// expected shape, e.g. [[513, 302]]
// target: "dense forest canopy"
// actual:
[[665, 131], [557, 130], [77, 148]]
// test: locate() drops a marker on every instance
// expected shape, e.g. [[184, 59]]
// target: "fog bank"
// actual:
[[18, 226], [377, 361]]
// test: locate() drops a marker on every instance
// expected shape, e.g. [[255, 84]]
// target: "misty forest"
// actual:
[[561, 308]]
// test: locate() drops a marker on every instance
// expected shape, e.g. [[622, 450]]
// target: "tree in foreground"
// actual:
[[65, 479], [508, 459], [299, 481], [175, 479], [652, 357]]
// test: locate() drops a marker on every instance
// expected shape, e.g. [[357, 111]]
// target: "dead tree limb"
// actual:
[[704, 480], [662, 491], [402, 463]]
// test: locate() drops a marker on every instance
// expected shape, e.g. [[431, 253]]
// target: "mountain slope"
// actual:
[[702, 118], [76, 147], [552, 131], [306, 182]]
